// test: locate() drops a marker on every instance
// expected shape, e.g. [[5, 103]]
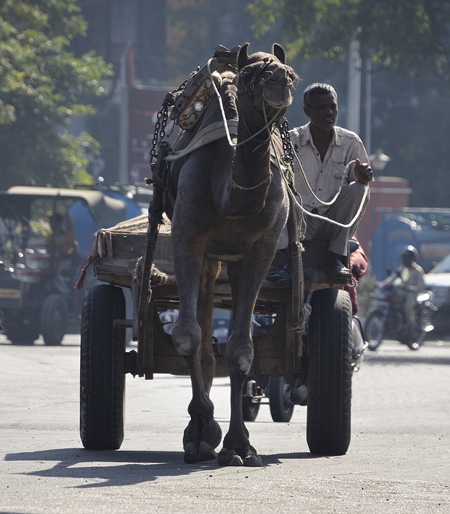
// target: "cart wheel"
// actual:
[[249, 409], [18, 328], [281, 407], [53, 319], [102, 376], [330, 373]]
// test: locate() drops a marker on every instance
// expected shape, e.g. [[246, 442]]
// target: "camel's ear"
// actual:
[[279, 53], [242, 56]]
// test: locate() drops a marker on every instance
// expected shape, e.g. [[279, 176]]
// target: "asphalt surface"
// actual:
[[398, 460]]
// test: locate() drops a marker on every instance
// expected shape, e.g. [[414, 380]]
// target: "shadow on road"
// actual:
[[373, 359], [122, 468]]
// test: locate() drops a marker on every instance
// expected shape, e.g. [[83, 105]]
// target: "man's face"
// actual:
[[323, 111], [407, 260]]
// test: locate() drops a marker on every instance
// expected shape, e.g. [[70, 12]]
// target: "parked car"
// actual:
[[437, 280]]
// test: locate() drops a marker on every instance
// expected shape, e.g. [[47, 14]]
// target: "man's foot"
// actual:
[[336, 269]]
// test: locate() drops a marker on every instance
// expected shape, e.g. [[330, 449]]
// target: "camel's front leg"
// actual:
[[237, 450], [203, 433]]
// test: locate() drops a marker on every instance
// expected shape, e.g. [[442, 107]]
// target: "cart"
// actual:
[[319, 360]]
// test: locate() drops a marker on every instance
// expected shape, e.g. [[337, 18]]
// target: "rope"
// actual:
[[310, 189], [80, 282], [333, 222], [300, 326], [283, 169], [224, 118], [237, 186], [267, 126], [324, 218]]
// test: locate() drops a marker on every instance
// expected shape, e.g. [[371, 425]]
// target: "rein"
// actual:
[[331, 202], [258, 73]]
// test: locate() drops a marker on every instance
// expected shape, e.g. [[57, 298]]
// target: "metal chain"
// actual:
[[162, 117], [283, 125], [160, 129]]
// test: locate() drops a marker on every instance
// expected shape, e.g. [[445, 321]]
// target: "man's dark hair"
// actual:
[[316, 89]]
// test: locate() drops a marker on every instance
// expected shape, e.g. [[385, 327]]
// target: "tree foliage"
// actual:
[[408, 43], [43, 88], [407, 35]]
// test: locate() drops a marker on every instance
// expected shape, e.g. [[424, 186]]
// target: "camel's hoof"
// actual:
[[253, 461], [231, 458], [211, 435], [200, 440], [191, 455]]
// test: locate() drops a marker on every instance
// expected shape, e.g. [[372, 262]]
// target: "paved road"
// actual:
[[398, 461]]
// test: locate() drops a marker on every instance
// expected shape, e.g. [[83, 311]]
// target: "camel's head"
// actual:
[[266, 78]]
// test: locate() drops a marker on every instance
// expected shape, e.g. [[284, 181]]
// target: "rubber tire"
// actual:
[[328, 422], [249, 409], [281, 408], [53, 319], [102, 376], [373, 332], [17, 329]]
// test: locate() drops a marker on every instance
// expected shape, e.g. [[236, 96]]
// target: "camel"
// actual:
[[231, 206]]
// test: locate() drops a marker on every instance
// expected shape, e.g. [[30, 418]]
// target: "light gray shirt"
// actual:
[[325, 178]]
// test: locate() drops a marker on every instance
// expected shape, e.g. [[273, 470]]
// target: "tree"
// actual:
[[410, 36], [408, 44], [43, 89]]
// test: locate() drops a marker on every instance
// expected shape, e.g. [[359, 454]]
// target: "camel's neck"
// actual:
[[251, 175]]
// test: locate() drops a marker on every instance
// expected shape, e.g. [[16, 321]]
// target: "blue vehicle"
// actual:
[[424, 228]]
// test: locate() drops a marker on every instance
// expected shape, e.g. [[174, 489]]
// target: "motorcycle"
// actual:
[[387, 319]]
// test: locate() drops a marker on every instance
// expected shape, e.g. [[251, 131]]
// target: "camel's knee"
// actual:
[[186, 337], [239, 356]]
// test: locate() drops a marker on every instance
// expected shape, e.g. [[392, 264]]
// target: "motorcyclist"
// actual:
[[411, 275]]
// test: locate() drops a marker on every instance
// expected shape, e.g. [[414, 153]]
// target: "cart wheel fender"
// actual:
[[53, 319]]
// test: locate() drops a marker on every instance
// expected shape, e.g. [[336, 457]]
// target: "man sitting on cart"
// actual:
[[332, 173]]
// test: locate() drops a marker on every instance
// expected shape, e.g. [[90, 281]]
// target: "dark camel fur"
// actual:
[[231, 206]]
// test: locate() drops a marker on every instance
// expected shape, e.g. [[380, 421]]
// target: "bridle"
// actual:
[[267, 61]]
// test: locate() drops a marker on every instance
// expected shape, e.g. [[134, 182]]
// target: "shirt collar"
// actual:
[[307, 137]]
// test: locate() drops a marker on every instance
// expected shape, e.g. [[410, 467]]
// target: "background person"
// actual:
[[61, 242], [411, 275]]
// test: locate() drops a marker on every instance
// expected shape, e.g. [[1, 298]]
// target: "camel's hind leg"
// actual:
[[203, 433]]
